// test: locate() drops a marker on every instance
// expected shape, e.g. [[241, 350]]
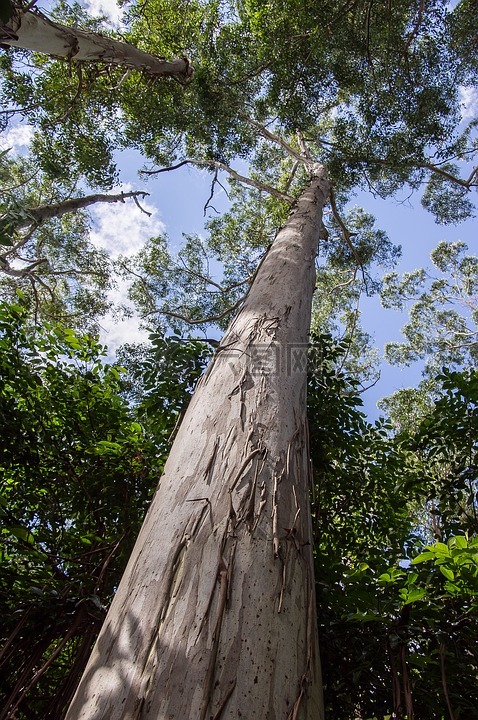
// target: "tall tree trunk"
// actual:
[[215, 615], [34, 31]]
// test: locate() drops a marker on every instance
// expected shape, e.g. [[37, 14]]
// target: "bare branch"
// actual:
[[137, 203], [42, 213], [371, 385], [166, 169], [276, 139], [473, 174], [264, 187], [202, 321], [214, 180]]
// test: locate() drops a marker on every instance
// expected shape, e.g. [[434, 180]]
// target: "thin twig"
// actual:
[[345, 231], [72, 104], [444, 682], [211, 195]]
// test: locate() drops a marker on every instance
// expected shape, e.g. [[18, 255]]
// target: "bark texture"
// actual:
[[34, 31], [215, 615]]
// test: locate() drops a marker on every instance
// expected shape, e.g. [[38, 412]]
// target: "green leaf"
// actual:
[[458, 541], [6, 240], [423, 557], [440, 548], [447, 572], [415, 594], [22, 534]]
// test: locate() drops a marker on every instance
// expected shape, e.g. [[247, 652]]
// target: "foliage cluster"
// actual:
[[397, 601], [53, 262]]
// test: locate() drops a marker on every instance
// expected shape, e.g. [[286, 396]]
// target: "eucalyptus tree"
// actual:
[[443, 302], [215, 616]]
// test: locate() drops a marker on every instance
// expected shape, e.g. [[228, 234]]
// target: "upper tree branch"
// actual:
[[452, 178], [276, 139], [345, 231], [42, 213], [222, 166], [34, 31]]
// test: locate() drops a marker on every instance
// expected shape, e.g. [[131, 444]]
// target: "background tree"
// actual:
[[398, 599]]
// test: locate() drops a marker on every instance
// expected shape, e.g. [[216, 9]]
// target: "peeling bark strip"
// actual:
[[215, 615], [34, 31]]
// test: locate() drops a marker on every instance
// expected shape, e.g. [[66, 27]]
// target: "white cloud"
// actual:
[[109, 8], [16, 137], [468, 102], [122, 229]]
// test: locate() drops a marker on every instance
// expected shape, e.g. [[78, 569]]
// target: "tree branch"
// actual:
[[464, 183], [35, 31], [25, 272], [209, 281], [291, 177], [42, 213], [276, 139], [264, 187], [416, 27], [345, 232], [303, 147], [72, 104], [190, 321]]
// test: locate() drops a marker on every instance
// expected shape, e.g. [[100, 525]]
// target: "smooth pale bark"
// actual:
[[34, 31], [215, 615], [42, 213]]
